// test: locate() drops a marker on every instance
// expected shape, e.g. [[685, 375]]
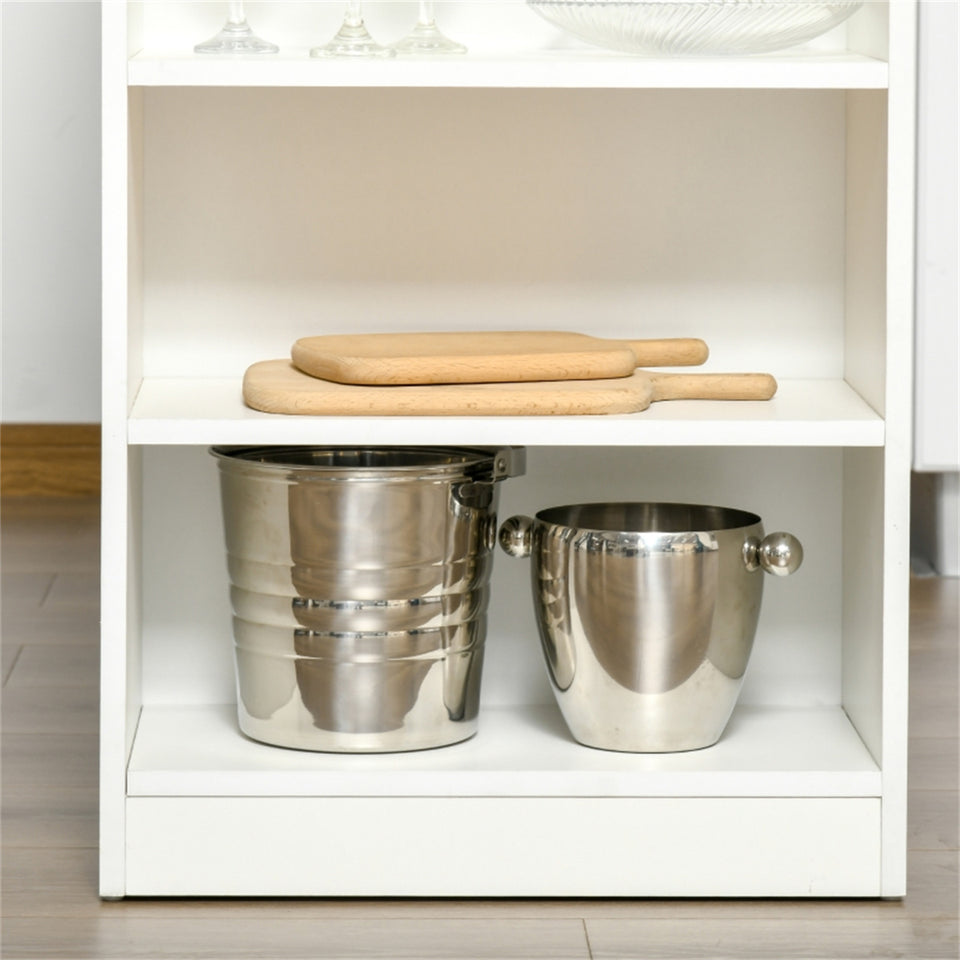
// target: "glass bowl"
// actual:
[[701, 27]]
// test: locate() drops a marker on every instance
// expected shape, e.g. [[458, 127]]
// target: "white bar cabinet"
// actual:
[[764, 204]]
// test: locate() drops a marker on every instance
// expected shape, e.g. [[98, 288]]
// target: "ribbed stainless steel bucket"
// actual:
[[647, 614], [359, 584]]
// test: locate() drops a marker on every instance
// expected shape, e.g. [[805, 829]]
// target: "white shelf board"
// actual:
[[560, 69], [803, 413], [519, 751]]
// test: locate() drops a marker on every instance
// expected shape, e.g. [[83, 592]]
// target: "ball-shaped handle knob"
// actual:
[[780, 553], [516, 535]]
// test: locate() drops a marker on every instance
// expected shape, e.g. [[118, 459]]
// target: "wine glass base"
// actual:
[[427, 40], [236, 38], [352, 41]]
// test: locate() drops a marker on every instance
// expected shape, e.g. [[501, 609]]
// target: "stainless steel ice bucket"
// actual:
[[359, 584], [647, 614]]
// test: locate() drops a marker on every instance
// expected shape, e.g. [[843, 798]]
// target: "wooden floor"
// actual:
[[50, 906]]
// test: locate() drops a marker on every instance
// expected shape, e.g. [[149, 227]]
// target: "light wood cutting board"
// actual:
[[485, 356], [276, 386]]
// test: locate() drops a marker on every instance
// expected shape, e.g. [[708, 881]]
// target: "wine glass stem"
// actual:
[[235, 14], [427, 16], [354, 17]]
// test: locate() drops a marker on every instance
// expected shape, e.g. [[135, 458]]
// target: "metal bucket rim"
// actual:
[[583, 517], [447, 462]]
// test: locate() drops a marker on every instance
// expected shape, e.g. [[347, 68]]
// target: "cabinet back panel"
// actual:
[[187, 655], [625, 213]]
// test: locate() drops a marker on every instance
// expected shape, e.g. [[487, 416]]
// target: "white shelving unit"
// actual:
[[764, 204]]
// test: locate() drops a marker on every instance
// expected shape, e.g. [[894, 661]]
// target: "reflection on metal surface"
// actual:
[[359, 584], [653, 586], [647, 614]]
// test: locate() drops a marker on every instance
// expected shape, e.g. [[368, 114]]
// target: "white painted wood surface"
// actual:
[[669, 235], [474, 846], [803, 413], [552, 69], [521, 751], [119, 657], [898, 416]]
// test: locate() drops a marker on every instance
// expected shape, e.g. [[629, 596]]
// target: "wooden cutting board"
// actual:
[[485, 357], [276, 386]]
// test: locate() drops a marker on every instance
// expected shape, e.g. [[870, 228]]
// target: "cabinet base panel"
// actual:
[[503, 847]]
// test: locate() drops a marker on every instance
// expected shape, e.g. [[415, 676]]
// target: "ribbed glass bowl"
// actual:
[[701, 27]]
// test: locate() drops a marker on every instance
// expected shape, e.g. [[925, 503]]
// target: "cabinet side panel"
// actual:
[[868, 31], [135, 27], [116, 730], [863, 545], [133, 330], [899, 429], [134, 595], [467, 846], [866, 208]]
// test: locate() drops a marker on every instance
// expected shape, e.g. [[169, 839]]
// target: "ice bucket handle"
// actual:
[[516, 535], [508, 462], [779, 553]]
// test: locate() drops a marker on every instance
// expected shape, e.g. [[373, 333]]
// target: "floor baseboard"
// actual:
[[49, 460]]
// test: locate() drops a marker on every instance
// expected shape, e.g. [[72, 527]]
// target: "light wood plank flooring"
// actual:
[[50, 906]]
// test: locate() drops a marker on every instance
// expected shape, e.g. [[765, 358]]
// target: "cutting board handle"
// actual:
[[713, 386], [671, 352]]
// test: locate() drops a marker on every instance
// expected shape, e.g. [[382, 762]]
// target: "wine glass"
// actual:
[[236, 36], [353, 39], [426, 38]]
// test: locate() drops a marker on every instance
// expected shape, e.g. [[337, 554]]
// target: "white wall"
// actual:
[[51, 212]]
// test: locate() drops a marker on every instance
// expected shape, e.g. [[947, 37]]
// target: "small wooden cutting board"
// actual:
[[485, 356], [276, 386]]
